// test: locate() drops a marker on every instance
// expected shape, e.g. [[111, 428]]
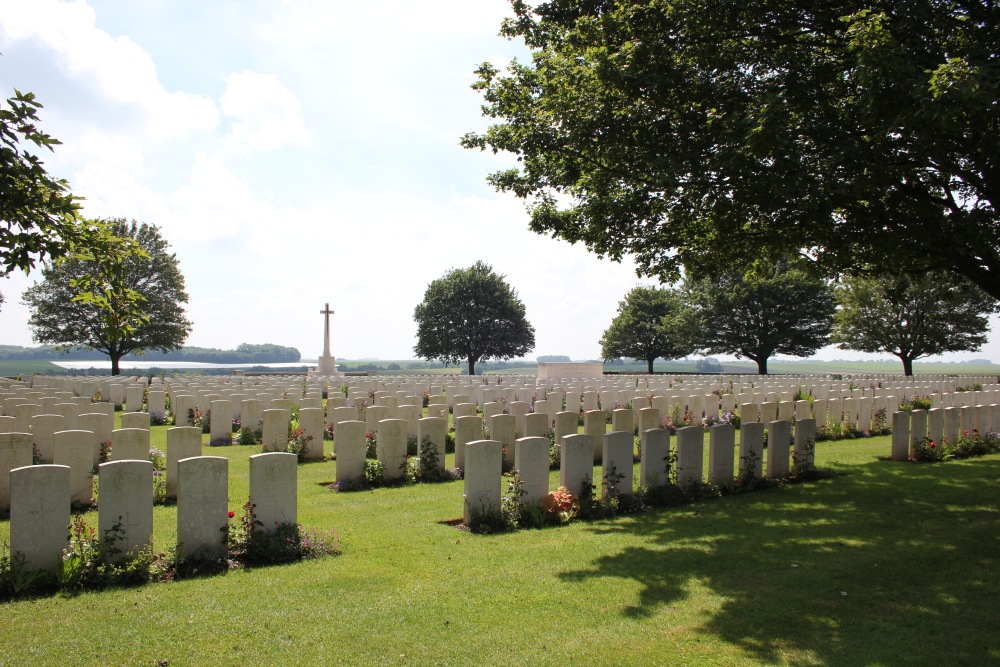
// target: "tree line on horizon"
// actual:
[[244, 353]]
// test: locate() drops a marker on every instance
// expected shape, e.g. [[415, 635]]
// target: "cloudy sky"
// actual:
[[296, 153]]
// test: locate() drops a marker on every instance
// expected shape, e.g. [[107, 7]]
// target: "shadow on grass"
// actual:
[[896, 564]]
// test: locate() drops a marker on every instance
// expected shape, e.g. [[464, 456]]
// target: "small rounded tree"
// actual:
[[650, 323], [470, 315]]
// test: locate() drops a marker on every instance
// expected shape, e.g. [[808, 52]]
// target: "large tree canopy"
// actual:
[[699, 134], [37, 212], [123, 296], [911, 317], [780, 310], [650, 323], [469, 315]]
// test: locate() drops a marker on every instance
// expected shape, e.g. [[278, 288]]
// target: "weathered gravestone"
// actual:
[[502, 429], [157, 405], [39, 514], [135, 420], [273, 492], [126, 504], [576, 463], [431, 434], [566, 424], [779, 445], [134, 395], [251, 416], [391, 447], [901, 435], [654, 464], [275, 436], [129, 444], [721, 449], [351, 445], [918, 430], [621, 420], [43, 427], [805, 443], [690, 454], [221, 427], [202, 506], [467, 429], [952, 418], [649, 418], [617, 461], [69, 411], [75, 450], [595, 424], [183, 405], [752, 449], [374, 415], [15, 452], [483, 469], [536, 425], [311, 423], [531, 460], [182, 442]]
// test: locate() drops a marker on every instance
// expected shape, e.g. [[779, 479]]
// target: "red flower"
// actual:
[[231, 514], [933, 445]]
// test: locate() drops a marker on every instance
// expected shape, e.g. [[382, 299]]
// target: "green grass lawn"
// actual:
[[888, 564]]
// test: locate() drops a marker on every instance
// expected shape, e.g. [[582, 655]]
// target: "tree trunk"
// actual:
[[907, 365], [761, 366], [650, 364], [472, 365], [115, 358]]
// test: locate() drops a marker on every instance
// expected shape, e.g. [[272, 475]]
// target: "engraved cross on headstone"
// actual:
[[326, 329]]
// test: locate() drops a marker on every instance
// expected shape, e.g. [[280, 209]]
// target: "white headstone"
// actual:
[[531, 460], [182, 442], [127, 502], [39, 515], [75, 450], [273, 490], [202, 506], [484, 465], [15, 452], [129, 444]]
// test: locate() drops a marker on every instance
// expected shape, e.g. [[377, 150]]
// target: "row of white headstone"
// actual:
[[40, 505], [577, 453], [938, 425]]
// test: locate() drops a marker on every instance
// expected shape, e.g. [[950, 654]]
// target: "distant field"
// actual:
[[14, 368]]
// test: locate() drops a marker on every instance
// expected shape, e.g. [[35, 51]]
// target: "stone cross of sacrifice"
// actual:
[[326, 330]]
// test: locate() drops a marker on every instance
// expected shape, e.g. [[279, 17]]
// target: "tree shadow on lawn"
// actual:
[[893, 564]]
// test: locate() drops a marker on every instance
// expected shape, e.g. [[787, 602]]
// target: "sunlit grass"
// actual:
[[887, 564]]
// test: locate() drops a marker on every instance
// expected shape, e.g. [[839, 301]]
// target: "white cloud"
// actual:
[[267, 114], [115, 68]]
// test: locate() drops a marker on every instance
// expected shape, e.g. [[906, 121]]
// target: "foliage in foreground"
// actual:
[[967, 446], [689, 136], [93, 563], [561, 506]]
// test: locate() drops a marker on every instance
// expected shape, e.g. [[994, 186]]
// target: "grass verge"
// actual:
[[889, 564]]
